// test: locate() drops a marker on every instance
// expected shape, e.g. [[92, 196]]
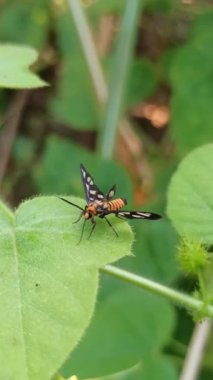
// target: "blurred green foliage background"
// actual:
[[166, 110]]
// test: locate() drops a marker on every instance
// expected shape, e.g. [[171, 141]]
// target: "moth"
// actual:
[[101, 205]]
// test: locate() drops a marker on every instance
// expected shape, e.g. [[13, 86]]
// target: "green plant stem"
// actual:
[[122, 59], [194, 356], [89, 49], [201, 284], [171, 294]]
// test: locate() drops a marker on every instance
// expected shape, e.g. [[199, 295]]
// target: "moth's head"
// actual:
[[87, 215], [88, 212]]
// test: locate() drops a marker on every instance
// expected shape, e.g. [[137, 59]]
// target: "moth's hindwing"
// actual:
[[111, 193], [137, 215]]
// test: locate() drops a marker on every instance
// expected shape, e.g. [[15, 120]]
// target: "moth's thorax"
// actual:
[[95, 208]]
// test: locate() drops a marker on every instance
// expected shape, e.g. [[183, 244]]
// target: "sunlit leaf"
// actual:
[[190, 196], [14, 67], [48, 283]]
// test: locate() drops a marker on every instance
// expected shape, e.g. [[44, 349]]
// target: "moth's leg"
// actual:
[[81, 214], [93, 227], [110, 225], [82, 232]]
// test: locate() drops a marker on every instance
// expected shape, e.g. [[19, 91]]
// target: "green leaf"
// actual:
[[75, 103], [142, 81], [48, 283], [124, 329], [190, 196], [154, 368], [192, 110], [14, 67], [163, 6], [25, 22], [157, 368]]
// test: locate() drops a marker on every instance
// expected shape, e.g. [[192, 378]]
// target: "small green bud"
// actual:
[[192, 256]]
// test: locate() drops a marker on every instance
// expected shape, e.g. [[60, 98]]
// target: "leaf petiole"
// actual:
[[171, 294]]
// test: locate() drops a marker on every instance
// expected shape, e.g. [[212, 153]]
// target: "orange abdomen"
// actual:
[[116, 204]]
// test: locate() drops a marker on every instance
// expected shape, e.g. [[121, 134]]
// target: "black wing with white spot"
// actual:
[[92, 192], [136, 215], [111, 193]]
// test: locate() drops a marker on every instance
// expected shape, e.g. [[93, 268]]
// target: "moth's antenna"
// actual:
[[73, 204]]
